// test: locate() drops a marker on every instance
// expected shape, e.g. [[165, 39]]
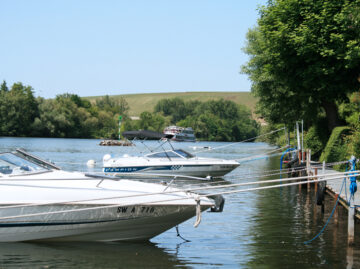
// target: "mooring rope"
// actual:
[[198, 212], [328, 177], [319, 165], [273, 186], [179, 235], [329, 218], [243, 141], [154, 202], [265, 154], [173, 199]]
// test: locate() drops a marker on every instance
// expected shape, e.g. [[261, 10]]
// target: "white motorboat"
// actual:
[[39, 201], [175, 161], [180, 134]]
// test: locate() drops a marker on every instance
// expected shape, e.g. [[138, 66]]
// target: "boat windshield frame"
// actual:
[[177, 153], [184, 153], [13, 164], [164, 154]]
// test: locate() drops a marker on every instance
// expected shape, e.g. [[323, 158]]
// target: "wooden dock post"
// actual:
[[350, 257], [336, 213], [351, 221], [323, 173], [308, 167], [315, 173]]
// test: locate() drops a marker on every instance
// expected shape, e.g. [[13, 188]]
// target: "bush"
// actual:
[[316, 138], [336, 148]]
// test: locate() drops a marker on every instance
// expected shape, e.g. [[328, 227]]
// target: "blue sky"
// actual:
[[120, 47]]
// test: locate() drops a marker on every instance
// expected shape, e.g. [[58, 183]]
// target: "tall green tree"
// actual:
[[4, 87], [304, 57], [151, 121], [119, 105], [18, 109]]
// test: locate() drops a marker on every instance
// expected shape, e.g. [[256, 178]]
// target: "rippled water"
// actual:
[[262, 229]]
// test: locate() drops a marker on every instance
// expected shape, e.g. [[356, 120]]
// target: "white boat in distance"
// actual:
[[39, 201], [174, 162], [177, 133]]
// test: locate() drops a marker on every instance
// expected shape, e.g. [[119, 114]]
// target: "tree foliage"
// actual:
[[68, 115], [221, 120], [304, 56], [176, 107], [18, 109], [119, 106]]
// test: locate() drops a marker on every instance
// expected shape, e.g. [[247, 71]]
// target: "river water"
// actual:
[[261, 229]]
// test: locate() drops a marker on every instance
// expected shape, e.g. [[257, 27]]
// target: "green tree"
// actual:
[[116, 106], [151, 121], [304, 56], [176, 107], [62, 117], [221, 120], [4, 87], [18, 109]]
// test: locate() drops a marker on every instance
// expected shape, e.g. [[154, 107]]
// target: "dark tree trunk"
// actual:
[[332, 115]]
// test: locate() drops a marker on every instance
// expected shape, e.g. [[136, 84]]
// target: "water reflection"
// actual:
[[86, 255], [289, 218]]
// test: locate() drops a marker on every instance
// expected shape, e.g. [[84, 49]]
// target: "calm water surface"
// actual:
[[262, 229]]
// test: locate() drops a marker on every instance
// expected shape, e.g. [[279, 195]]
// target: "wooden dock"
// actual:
[[333, 188], [337, 188]]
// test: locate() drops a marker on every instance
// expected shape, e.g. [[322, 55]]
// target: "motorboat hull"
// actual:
[[195, 170], [119, 223], [39, 201], [181, 138]]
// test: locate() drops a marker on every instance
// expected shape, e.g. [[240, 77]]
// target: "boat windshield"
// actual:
[[184, 153], [178, 153], [11, 164], [164, 154]]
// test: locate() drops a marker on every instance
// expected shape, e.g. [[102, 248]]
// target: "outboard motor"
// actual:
[[219, 203]]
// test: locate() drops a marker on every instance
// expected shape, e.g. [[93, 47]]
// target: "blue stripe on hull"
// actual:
[[152, 168], [136, 169]]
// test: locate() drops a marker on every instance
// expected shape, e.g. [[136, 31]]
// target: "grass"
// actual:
[[146, 102]]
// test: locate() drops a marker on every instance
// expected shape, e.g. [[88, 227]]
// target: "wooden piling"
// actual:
[[323, 172], [316, 184], [336, 213], [350, 257], [308, 169]]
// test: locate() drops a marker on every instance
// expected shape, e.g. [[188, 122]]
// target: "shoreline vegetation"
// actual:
[[304, 59], [69, 116]]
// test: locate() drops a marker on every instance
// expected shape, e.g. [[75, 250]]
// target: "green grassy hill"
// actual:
[[146, 102]]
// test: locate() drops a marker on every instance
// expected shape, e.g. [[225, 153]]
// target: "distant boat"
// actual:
[[177, 133]]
